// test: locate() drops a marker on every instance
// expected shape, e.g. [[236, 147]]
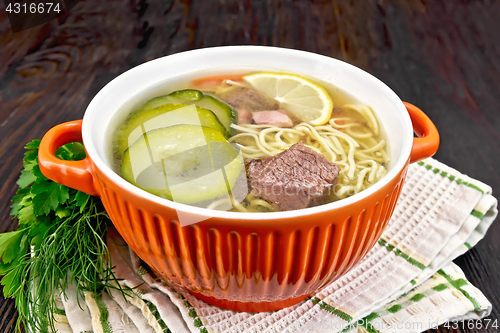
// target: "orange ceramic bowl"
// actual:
[[241, 261]]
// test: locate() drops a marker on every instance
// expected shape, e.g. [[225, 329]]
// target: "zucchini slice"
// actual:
[[183, 163], [186, 96], [224, 112], [164, 116]]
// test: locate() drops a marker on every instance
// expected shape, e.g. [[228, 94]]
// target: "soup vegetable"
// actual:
[[254, 142]]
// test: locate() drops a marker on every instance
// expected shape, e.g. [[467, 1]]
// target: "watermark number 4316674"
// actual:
[[26, 14], [33, 8]]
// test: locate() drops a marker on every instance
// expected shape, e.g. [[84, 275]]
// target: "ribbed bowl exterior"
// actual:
[[244, 261]]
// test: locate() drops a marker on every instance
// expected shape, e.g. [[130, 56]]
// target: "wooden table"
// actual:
[[440, 55]]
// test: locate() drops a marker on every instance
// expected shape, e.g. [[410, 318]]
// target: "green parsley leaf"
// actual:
[[73, 151], [78, 151], [35, 144], [38, 232], [18, 200], [11, 281], [62, 212], [20, 194], [64, 153], [5, 268], [30, 156], [81, 199], [29, 165], [38, 174], [24, 198], [26, 215], [26, 179], [15, 207], [48, 196], [10, 245]]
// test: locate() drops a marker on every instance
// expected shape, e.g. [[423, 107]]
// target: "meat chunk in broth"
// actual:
[[275, 117], [294, 179], [241, 97]]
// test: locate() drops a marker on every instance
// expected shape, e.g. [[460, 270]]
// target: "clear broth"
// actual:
[[339, 97]]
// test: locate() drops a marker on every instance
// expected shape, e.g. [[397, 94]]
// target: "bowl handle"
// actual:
[[427, 142], [74, 174]]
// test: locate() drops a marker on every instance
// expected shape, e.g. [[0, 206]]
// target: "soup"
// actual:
[[254, 142]]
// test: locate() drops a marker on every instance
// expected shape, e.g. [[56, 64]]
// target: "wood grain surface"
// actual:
[[442, 56]]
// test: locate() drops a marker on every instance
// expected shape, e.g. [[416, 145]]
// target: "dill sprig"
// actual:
[[60, 241]]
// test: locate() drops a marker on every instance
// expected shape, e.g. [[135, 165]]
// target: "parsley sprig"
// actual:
[[60, 240]]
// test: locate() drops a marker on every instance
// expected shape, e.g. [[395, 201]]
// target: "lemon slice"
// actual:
[[302, 99]]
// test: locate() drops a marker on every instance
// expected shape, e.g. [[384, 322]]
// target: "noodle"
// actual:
[[251, 203], [352, 142]]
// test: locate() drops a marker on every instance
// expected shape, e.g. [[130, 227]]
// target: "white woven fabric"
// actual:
[[406, 283], [77, 313]]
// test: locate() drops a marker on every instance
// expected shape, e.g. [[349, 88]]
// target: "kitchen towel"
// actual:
[[406, 283]]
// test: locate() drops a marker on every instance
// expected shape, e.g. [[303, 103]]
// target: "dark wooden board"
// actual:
[[439, 55]]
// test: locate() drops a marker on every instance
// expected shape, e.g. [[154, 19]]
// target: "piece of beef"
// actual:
[[244, 116], [245, 98], [294, 179], [275, 117]]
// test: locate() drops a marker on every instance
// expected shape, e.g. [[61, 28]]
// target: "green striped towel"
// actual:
[[406, 283]]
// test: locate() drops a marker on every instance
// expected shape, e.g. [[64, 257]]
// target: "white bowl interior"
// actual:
[[135, 86]]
